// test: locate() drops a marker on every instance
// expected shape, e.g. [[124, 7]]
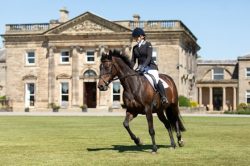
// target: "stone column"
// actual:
[[200, 96], [211, 98], [75, 77], [234, 98], [224, 99], [51, 75]]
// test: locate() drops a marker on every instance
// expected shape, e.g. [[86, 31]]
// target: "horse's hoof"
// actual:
[[181, 143], [138, 141], [153, 152]]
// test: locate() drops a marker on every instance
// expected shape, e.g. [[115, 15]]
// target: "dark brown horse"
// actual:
[[140, 97]]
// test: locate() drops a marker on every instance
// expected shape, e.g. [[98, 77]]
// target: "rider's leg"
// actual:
[[161, 90]]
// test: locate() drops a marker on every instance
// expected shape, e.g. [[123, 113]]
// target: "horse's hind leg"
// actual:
[[178, 130], [178, 133], [166, 123], [129, 117], [151, 129]]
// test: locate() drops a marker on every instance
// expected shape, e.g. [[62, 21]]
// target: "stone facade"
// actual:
[[2, 72], [58, 62], [244, 79], [217, 84]]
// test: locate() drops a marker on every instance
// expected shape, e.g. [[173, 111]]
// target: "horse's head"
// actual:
[[107, 71]]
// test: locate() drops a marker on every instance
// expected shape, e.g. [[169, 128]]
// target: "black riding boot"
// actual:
[[161, 90]]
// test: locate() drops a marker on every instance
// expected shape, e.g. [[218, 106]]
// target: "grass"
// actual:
[[104, 141]]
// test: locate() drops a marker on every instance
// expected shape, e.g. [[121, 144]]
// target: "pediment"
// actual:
[[29, 77], [63, 76], [87, 23]]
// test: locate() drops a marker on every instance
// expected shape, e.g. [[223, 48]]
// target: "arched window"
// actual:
[[89, 73]]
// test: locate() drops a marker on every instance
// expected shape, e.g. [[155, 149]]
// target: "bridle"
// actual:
[[110, 73]]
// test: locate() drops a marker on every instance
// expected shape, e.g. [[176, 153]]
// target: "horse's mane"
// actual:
[[118, 54]]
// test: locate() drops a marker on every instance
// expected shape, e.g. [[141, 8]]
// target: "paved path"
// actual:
[[106, 113]]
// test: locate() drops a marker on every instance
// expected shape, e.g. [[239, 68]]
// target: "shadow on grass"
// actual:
[[128, 148]]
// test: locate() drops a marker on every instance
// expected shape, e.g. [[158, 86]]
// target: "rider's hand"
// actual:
[[141, 70]]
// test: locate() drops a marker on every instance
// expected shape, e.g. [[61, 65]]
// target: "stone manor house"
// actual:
[[58, 62]]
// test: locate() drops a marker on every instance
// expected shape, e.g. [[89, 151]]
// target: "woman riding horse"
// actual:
[[139, 97], [142, 52]]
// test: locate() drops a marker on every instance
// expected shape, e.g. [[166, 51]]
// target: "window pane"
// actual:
[[89, 73], [90, 59], [248, 72], [90, 56], [218, 73], [30, 57], [116, 91], [218, 77], [64, 88], [154, 55], [116, 98], [116, 87], [65, 53], [65, 59], [31, 88], [32, 100], [65, 56], [31, 54], [31, 60], [65, 98]]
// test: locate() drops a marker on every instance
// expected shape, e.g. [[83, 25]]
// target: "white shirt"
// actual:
[[140, 43]]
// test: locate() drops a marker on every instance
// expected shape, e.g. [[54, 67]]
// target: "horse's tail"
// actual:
[[173, 115]]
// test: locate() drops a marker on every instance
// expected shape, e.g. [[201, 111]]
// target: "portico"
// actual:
[[218, 96]]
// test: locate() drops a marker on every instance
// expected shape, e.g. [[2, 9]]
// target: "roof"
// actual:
[[217, 62], [2, 55], [245, 57]]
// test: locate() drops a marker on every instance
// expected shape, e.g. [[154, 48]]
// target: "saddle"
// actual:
[[153, 82]]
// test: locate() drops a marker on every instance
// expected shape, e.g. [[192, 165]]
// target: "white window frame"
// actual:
[[116, 94], [64, 56], [154, 54], [217, 74], [62, 104], [247, 72], [247, 95], [27, 58], [28, 95], [90, 56]]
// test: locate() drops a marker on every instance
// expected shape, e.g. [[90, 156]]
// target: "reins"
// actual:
[[116, 78]]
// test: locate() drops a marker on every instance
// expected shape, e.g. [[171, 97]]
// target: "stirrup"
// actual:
[[164, 100]]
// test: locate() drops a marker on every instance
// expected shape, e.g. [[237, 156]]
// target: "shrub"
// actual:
[[193, 104], [2, 97], [184, 101], [242, 106]]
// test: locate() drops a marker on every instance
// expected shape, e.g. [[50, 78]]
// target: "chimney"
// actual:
[[64, 15], [136, 17]]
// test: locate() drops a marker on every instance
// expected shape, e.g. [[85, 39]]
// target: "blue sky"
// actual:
[[221, 26]]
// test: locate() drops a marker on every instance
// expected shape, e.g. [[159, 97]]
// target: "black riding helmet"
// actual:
[[137, 32]]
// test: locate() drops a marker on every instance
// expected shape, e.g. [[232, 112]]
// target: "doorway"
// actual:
[[89, 92], [217, 98]]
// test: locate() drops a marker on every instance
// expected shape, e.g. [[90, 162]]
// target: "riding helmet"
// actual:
[[137, 32]]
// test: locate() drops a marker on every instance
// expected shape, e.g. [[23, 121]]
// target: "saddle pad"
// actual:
[[149, 78]]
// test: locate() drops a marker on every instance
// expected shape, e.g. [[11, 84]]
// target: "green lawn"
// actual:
[[104, 141]]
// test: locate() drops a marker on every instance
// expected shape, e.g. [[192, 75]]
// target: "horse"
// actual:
[[139, 97]]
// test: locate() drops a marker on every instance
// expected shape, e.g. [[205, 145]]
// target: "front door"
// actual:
[[90, 94], [217, 98]]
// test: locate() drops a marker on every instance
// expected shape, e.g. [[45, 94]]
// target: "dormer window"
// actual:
[[218, 74]]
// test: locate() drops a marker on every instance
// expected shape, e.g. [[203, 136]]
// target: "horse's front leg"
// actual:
[[129, 117], [151, 128]]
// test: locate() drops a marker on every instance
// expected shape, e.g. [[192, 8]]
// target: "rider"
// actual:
[[142, 52]]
